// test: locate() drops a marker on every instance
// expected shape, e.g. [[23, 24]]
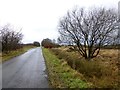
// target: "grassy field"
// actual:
[[101, 71], [61, 75], [15, 53]]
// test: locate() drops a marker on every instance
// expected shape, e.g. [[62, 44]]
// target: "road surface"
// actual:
[[25, 71]]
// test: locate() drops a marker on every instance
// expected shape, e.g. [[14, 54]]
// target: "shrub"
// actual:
[[47, 43], [36, 43], [10, 39]]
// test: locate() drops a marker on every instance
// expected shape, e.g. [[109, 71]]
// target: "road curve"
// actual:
[[25, 71]]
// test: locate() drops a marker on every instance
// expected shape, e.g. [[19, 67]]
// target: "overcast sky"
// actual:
[[39, 18]]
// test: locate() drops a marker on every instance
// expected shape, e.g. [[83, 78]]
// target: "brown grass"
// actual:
[[102, 71]]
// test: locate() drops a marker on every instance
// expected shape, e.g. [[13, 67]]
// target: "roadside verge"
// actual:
[[15, 53], [60, 74]]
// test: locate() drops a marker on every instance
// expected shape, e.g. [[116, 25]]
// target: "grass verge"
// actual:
[[17, 52], [61, 75]]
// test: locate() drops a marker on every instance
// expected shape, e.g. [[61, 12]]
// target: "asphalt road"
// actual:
[[25, 71]]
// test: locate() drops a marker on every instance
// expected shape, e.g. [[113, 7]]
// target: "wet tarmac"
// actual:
[[25, 71]]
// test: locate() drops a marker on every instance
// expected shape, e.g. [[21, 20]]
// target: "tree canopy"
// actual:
[[88, 31]]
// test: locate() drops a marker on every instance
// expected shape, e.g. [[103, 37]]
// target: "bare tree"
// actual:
[[10, 39], [89, 30], [64, 40]]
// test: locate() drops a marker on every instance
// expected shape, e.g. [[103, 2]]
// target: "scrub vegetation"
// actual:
[[102, 71]]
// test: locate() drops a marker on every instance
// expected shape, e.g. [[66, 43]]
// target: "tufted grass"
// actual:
[[61, 75]]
